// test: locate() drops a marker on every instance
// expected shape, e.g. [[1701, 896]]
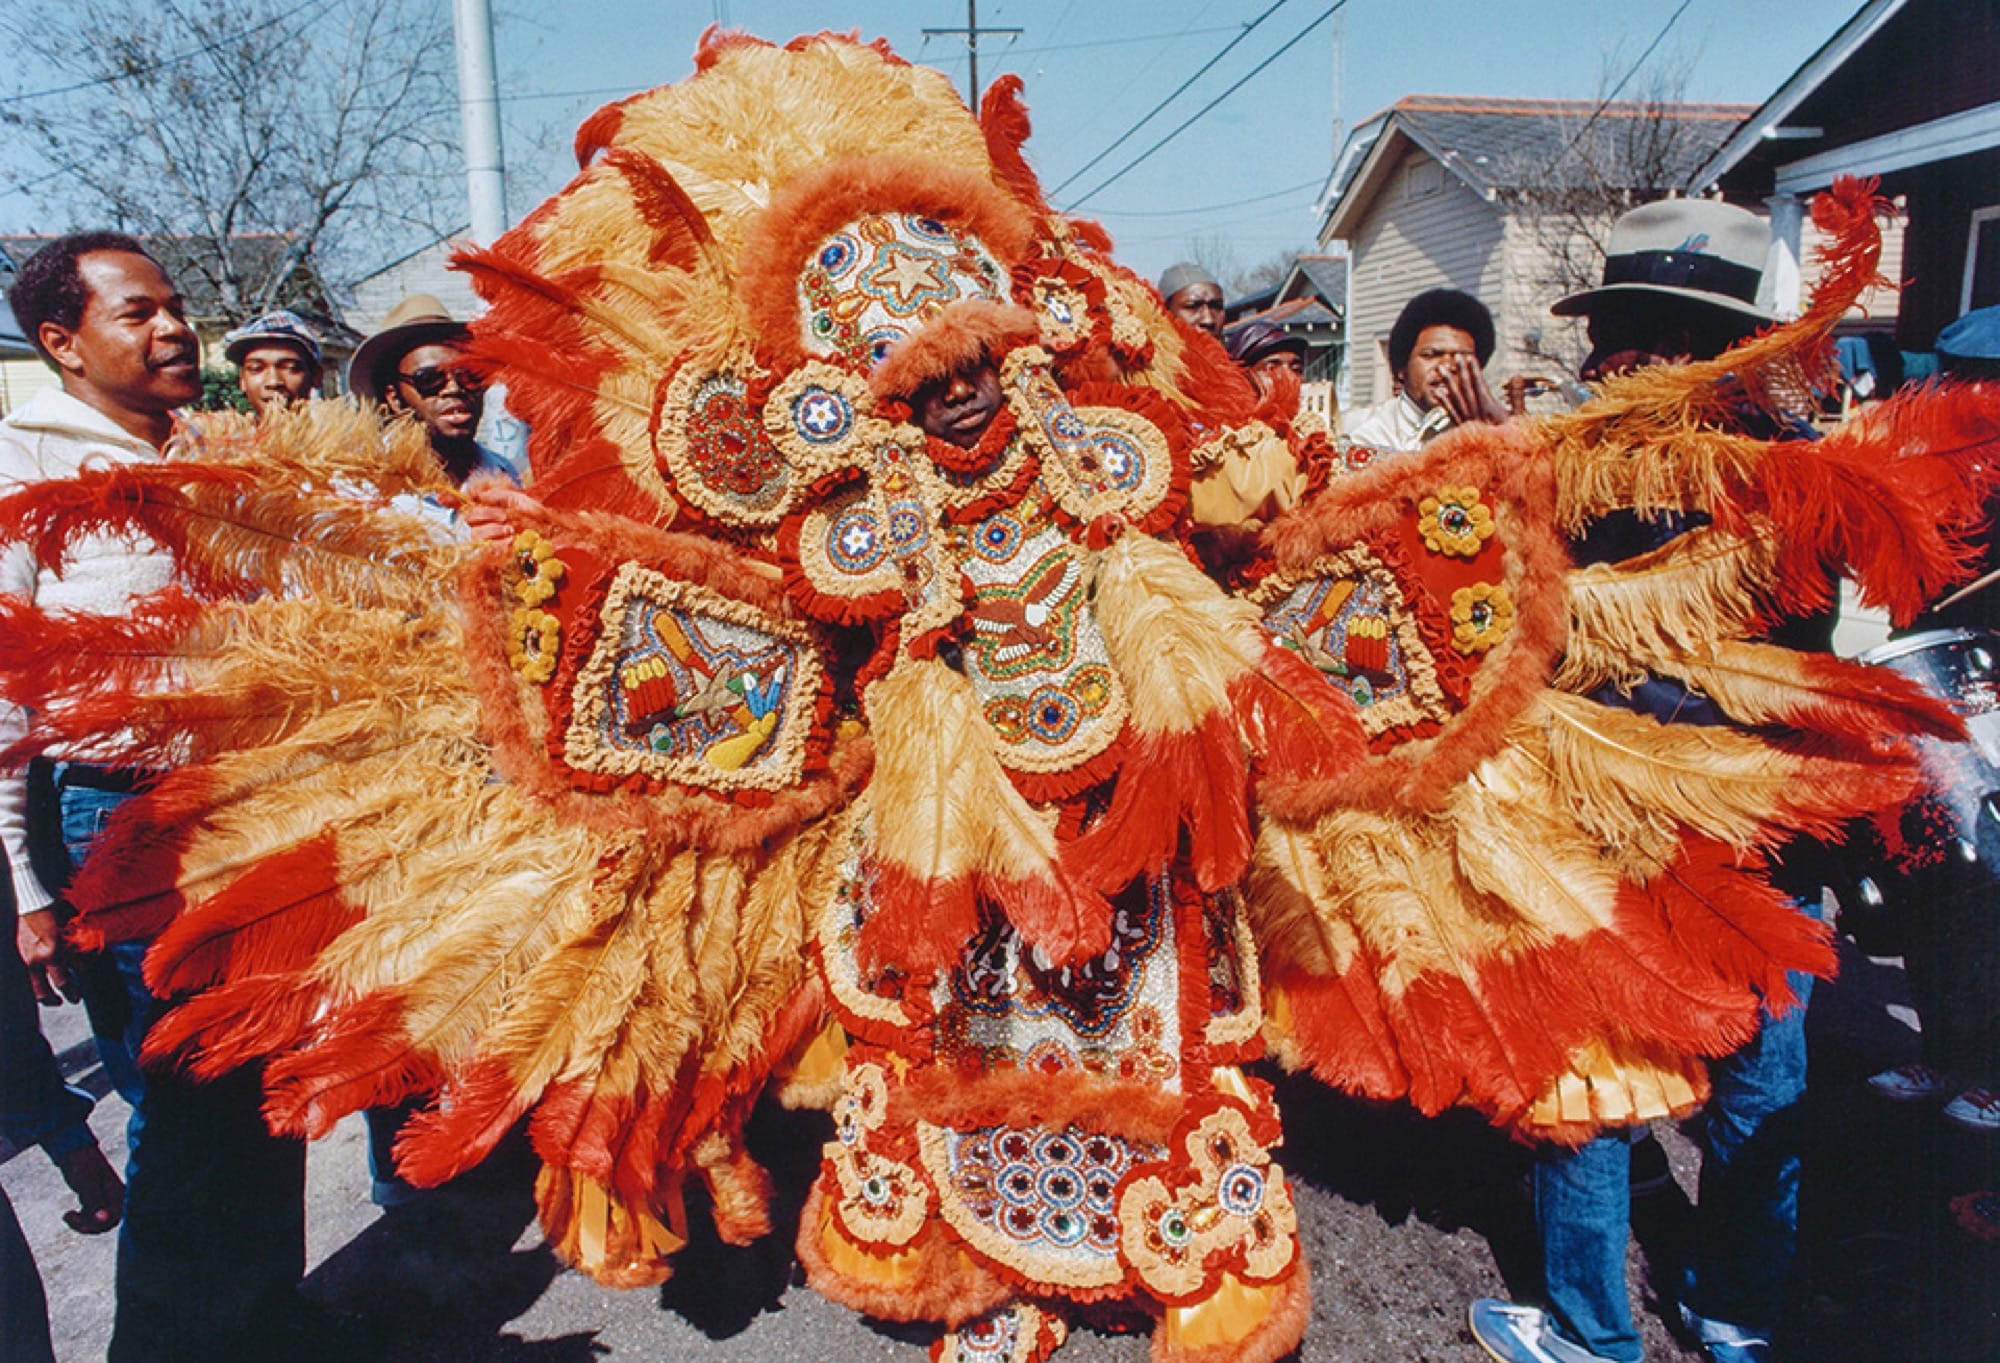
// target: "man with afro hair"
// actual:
[[1438, 351]]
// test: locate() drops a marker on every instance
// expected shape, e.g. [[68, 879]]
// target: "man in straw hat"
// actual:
[[416, 366], [1681, 282]]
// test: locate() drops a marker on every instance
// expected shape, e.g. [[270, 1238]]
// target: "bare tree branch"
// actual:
[[265, 139], [1608, 160]]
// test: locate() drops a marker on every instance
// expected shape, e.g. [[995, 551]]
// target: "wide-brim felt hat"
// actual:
[[1698, 250], [418, 320]]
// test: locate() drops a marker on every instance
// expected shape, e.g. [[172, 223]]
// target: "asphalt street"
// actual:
[[1404, 1221]]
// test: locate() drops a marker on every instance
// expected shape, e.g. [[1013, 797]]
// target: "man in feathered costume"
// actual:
[[870, 736]]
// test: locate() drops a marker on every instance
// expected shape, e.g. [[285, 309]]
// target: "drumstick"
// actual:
[[1968, 589]]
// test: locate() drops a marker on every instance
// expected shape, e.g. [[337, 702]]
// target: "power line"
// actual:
[[1129, 40], [1190, 121], [1213, 208], [148, 69], [1626, 79], [971, 33], [1123, 137], [593, 91]]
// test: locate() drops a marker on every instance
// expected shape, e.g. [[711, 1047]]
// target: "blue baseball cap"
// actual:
[[1975, 336], [280, 328]]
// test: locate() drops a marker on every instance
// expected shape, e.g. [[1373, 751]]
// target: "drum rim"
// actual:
[[1917, 643]]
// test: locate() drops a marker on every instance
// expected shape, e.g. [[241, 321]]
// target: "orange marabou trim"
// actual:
[[814, 206], [971, 1098], [1003, 121], [959, 337], [1240, 1323], [929, 1279]]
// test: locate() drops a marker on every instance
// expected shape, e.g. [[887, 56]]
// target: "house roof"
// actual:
[[1318, 274], [1298, 312], [192, 263], [1762, 125], [1902, 84], [1495, 145]]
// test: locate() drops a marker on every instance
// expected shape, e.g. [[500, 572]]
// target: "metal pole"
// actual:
[[971, 33], [479, 109], [972, 49]]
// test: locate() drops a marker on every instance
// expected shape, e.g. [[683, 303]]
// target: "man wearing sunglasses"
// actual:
[[416, 366]]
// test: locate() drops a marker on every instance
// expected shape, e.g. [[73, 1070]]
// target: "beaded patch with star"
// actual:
[[874, 551], [1096, 461], [882, 276]]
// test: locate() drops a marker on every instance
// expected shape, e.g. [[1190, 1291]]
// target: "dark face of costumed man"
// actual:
[[959, 408]]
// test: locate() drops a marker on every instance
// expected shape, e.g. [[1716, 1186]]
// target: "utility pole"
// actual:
[[1339, 80], [971, 33], [479, 110]]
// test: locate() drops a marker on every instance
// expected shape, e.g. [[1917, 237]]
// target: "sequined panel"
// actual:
[[1036, 656], [1043, 1203], [1117, 1016], [1351, 621]]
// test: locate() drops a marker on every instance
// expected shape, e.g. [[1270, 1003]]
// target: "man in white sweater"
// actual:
[[213, 1242]]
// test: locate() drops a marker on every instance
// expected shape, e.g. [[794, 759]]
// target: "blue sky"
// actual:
[[1249, 170]]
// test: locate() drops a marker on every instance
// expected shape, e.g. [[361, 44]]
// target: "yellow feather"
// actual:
[[323, 443], [1295, 911], [937, 768], [1519, 845], [1704, 586], [1644, 443], [1174, 638], [1633, 780]]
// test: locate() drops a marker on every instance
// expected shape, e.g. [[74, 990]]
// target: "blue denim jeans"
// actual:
[[213, 1242], [115, 1027], [1746, 1224]]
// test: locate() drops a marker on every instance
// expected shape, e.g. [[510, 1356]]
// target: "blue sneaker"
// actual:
[[1722, 1342], [1523, 1334]]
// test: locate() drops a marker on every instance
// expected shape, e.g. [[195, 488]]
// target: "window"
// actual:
[[1982, 261]]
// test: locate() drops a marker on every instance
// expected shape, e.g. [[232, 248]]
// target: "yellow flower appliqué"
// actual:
[[1455, 522], [540, 569], [534, 641], [1481, 615]]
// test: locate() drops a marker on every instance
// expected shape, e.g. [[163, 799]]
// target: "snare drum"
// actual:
[[1947, 840]]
